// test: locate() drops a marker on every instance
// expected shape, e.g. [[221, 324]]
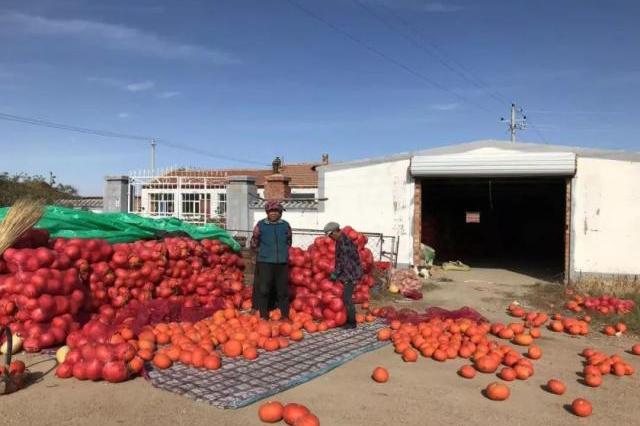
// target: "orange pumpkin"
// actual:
[[621, 327], [212, 362], [619, 369], [232, 348], [581, 407], [292, 412], [409, 355], [507, 374], [308, 420], [497, 391], [635, 349], [556, 326], [145, 354], [486, 364], [296, 335], [593, 380], [185, 357], [147, 335], [380, 375], [522, 339], [136, 365], [556, 387], [467, 371], [250, 353], [522, 372], [271, 412], [534, 352], [439, 355], [162, 361]]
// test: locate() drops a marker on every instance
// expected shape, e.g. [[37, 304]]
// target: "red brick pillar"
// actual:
[[277, 187], [417, 221]]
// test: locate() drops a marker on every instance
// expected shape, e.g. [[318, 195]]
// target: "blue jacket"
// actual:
[[272, 241]]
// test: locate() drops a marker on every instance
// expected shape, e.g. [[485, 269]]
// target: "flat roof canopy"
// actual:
[[494, 163]]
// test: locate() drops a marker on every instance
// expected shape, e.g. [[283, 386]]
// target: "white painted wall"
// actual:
[[374, 198], [606, 217]]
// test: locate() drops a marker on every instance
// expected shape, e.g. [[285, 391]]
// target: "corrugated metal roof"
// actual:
[[490, 143], [495, 162]]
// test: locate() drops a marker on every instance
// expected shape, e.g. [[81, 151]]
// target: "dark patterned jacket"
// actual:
[[348, 265]]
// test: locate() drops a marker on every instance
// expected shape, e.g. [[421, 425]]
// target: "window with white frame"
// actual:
[[192, 203], [221, 208], [161, 203]]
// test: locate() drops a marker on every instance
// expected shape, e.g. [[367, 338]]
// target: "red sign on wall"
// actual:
[[473, 217]]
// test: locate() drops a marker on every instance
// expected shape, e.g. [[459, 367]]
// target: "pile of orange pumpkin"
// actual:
[[293, 414], [615, 330], [598, 364], [442, 340], [202, 344], [572, 326]]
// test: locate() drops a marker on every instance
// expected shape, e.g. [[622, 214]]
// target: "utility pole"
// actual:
[[515, 123], [153, 155]]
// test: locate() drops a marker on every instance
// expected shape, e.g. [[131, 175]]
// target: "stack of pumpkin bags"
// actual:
[[407, 283]]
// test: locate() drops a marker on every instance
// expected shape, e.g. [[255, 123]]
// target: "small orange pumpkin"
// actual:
[[271, 412], [497, 391], [556, 387], [581, 407], [380, 375]]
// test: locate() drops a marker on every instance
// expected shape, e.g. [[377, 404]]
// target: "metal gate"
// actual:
[[195, 196], [383, 247]]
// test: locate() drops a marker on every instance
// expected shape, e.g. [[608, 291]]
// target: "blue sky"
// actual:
[[255, 79]]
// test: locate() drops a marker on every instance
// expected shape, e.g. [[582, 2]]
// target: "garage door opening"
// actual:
[[510, 223]]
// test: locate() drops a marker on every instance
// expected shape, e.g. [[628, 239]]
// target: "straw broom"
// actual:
[[21, 217]]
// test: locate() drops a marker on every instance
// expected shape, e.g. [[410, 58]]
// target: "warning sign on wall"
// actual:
[[473, 217]]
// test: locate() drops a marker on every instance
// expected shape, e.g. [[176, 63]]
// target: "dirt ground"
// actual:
[[422, 393]]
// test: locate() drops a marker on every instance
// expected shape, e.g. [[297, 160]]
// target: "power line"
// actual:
[[50, 124], [538, 132], [384, 56], [430, 50], [110, 134], [442, 56]]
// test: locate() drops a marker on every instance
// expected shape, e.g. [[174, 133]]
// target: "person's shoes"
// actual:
[[349, 326]]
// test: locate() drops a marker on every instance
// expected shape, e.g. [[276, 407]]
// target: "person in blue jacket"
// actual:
[[271, 240]]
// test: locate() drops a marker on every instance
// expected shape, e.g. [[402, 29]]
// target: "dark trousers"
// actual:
[[271, 278], [347, 298]]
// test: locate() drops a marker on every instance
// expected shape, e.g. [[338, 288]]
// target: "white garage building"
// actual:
[[571, 211]]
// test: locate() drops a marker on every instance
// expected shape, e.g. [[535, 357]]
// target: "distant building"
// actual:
[[94, 204], [200, 196]]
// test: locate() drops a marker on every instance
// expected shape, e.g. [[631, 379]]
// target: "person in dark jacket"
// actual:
[[271, 240], [348, 269]]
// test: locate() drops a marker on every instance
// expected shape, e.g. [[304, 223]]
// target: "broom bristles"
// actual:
[[20, 218]]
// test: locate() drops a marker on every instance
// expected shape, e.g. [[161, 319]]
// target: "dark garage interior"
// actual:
[[520, 225]]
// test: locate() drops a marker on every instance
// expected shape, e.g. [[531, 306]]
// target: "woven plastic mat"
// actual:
[[240, 382]]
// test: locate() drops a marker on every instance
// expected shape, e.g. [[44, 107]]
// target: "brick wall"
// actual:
[[277, 187]]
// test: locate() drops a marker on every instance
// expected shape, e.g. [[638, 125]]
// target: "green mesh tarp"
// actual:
[[63, 222]]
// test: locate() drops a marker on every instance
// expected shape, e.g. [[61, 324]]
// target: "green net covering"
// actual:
[[63, 222]]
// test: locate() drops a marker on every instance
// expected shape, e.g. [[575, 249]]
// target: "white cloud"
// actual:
[[168, 95], [113, 36], [139, 87], [445, 107], [438, 7], [123, 115]]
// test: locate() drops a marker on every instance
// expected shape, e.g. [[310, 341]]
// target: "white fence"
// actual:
[[191, 195]]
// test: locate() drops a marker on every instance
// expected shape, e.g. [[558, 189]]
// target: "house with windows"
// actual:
[[200, 196]]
